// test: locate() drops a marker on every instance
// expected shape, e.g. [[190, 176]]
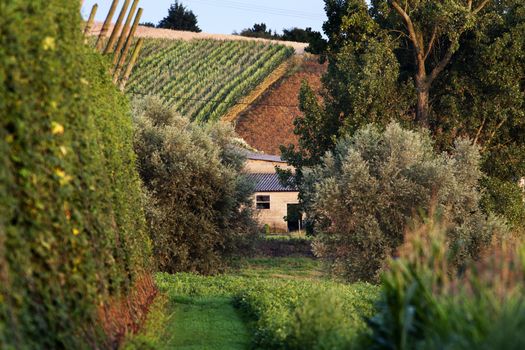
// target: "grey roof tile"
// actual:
[[269, 183], [264, 157]]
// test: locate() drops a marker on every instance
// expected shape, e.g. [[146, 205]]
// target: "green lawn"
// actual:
[[196, 315], [192, 323]]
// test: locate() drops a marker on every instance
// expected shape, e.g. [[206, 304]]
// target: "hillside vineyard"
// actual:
[[203, 79]]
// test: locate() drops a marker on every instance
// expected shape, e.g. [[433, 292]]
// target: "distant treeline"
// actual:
[[260, 30]]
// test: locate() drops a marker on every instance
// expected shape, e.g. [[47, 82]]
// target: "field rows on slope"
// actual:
[[203, 79]]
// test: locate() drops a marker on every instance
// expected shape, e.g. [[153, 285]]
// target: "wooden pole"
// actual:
[[117, 28], [124, 32], [125, 51], [91, 20], [131, 64], [105, 26]]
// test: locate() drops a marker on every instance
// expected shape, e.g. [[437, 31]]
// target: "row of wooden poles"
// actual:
[[118, 49]]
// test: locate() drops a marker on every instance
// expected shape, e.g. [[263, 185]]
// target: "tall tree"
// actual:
[[180, 18], [430, 32], [455, 67]]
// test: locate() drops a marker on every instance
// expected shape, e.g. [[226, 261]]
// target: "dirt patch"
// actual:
[[284, 248], [268, 123]]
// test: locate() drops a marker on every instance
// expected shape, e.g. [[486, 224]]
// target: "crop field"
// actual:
[[203, 79]]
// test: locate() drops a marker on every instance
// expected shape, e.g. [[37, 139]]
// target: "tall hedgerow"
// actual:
[[72, 231]]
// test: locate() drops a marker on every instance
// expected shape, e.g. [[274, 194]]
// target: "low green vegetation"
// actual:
[[203, 79], [291, 314], [206, 323], [284, 267], [284, 302], [210, 322], [422, 303]]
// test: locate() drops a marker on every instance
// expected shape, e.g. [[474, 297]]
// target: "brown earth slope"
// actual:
[[268, 123]]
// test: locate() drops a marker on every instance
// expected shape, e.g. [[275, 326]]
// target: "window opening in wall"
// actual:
[[262, 202]]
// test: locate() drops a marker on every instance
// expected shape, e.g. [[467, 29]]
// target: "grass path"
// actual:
[[195, 317], [205, 323]]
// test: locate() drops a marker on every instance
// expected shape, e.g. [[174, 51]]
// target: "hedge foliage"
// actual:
[[199, 203], [72, 230]]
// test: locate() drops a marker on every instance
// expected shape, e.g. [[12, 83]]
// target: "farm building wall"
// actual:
[[274, 217], [264, 167]]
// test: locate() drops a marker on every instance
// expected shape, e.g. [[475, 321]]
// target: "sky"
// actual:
[[226, 16]]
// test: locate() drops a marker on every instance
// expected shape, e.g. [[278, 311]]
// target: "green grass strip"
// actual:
[[205, 323]]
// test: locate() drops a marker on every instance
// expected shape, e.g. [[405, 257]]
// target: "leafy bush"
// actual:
[[424, 306], [325, 322], [71, 220], [199, 208], [364, 194]]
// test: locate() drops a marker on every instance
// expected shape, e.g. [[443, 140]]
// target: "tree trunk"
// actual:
[[423, 95], [422, 112]]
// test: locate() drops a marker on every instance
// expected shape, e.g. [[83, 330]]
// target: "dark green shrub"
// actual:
[[199, 208], [364, 194], [71, 221]]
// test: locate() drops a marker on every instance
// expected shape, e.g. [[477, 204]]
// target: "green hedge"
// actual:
[[71, 220]]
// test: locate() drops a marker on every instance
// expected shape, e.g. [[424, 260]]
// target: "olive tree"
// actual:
[[199, 203], [364, 194]]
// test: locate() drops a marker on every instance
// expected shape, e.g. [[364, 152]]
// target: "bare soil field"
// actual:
[[147, 32], [269, 122]]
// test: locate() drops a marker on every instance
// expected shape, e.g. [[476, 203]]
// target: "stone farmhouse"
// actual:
[[277, 206]]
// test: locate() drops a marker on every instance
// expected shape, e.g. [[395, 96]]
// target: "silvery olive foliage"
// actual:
[[364, 194], [199, 203]]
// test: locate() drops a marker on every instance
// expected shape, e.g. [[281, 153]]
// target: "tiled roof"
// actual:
[[264, 157], [269, 183]]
